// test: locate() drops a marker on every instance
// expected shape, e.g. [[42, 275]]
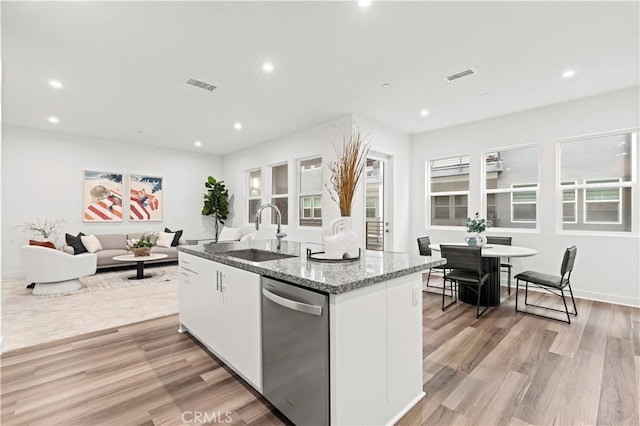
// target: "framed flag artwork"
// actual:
[[145, 198], [102, 197]]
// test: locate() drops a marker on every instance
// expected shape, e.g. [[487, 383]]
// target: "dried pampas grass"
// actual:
[[347, 170]]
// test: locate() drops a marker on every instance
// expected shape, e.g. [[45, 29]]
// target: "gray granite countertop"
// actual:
[[371, 268]]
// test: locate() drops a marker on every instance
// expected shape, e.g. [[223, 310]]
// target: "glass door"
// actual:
[[376, 220]]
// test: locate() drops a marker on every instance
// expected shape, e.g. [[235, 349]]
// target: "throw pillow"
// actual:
[[165, 239], [76, 243], [176, 237], [229, 234], [48, 244], [91, 243]]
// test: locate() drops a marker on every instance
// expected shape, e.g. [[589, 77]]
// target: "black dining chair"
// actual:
[[465, 269], [503, 241], [423, 248], [551, 283]]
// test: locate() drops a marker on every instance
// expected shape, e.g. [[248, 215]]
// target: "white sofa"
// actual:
[[54, 271]]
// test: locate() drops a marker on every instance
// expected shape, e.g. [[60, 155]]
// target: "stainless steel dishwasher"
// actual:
[[295, 352]]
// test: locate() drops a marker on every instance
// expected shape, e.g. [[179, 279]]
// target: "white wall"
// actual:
[[42, 177], [607, 267], [312, 142]]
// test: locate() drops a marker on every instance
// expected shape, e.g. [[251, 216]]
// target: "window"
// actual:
[[311, 208], [569, 203], [523, 204], [597, 177], [448, 190], [280, 192], [511, 187], [255, 194], [602, 205], [310, 195]]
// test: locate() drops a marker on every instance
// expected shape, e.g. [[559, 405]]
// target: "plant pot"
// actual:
[[141, 251], [477, 240]]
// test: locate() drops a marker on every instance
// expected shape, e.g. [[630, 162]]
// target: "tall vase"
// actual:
[[343, 244]]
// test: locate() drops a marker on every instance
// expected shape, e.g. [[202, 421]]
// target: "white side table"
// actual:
[[140, 263]]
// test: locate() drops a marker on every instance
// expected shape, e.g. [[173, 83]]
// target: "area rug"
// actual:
[[102, 281], [30, 320]]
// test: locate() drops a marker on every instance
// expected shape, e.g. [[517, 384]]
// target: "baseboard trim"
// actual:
[[593, 295], [13, 275], [406, 409]]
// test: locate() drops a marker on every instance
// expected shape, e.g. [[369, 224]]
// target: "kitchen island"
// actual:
[[373, 335]]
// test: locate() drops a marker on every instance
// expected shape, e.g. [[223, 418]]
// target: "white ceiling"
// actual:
[[124, 65]]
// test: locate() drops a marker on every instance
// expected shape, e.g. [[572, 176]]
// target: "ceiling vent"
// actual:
[[201, 84], [460, 74]]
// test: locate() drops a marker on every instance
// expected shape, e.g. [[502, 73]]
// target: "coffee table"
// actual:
[[140, 263]]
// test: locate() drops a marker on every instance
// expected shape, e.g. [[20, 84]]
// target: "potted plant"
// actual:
[[476, 226], [142, 246], [346, 172], [216, 202]]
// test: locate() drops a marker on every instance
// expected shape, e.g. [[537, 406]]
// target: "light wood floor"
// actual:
[[505, 368]]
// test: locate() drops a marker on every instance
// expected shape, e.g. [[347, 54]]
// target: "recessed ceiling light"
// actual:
[[364, 3], [385, 85], [55, 84], [568, 73], [53, 120], [198, 144], [424, 112], [237, 125], [267, 67]]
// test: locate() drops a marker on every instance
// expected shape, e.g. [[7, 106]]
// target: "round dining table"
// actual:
[[491, 254]]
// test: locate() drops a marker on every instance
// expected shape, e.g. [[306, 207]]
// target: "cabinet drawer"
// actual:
[[191, 262]]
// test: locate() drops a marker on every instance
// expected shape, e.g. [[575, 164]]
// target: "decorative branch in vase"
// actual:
[[346, 173], [44, 229]]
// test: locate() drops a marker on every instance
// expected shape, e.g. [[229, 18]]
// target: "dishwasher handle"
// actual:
[[292, 304]]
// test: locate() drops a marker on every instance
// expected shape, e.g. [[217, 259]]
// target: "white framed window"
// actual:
[[448, 190], [280, 192], [310, 192], [511, 184], [523, 203], [602, 205], [569, 203], [311, 208], [597, 176], [254, 194]]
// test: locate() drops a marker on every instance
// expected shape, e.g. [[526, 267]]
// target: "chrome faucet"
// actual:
[[279, 234]]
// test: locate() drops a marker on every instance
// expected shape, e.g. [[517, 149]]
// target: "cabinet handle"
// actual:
[[217, 280], [222, 287]]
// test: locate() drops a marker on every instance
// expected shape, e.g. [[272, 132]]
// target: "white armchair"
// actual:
[[54, 271]]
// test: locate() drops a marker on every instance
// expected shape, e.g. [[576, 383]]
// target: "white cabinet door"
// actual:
[[210, 307], [242, 322], [187, 298], [404, 341]]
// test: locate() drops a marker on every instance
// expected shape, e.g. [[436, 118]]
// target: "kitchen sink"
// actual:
[[255, 255]]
